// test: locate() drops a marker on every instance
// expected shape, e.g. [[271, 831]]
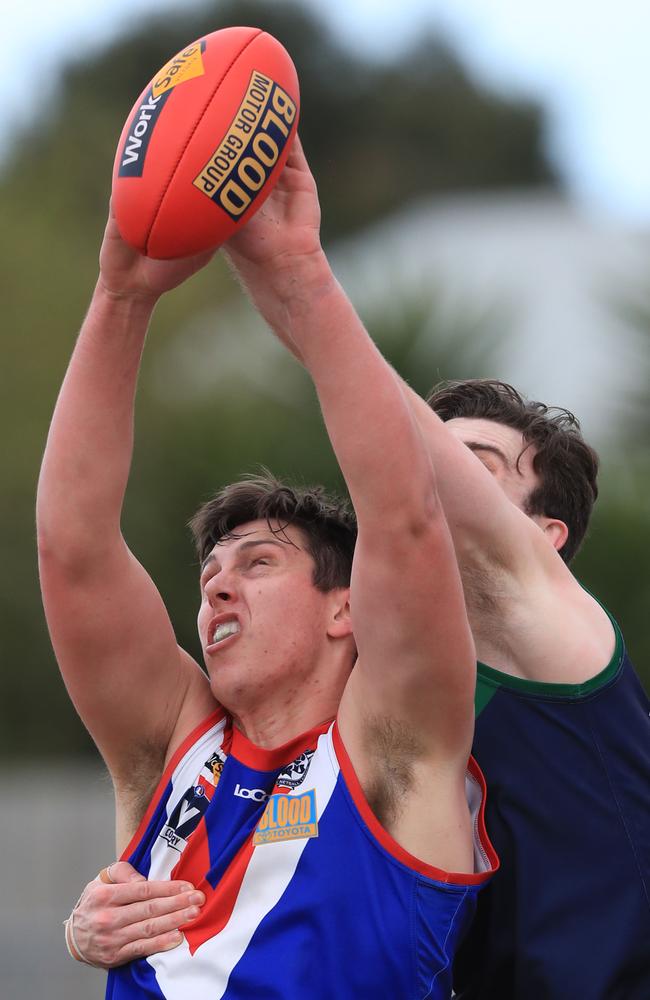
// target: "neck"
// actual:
[[274, 714]]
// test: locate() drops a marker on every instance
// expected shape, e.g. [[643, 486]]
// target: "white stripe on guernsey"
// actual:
[[163, 857], [205, 975]]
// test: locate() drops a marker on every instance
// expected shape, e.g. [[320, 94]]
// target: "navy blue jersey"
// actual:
[[568, 774], [307, 896]]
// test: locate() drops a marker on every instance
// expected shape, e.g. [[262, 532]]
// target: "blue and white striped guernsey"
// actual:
[[307, 895]]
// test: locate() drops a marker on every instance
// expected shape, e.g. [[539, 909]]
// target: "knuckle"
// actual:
[[149, 928], [99, 894], [104, 922], [144, 890], [137, 949]]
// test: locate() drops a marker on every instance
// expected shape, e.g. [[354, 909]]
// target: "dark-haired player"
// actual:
[[563, 727], [314, 805]]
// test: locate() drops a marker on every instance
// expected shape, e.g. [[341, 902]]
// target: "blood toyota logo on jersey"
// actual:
[[185, 818], [296, 772]]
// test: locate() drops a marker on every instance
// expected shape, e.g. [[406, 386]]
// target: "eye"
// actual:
[[260, 561]]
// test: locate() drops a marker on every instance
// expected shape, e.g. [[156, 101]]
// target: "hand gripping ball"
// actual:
[[205, 143]]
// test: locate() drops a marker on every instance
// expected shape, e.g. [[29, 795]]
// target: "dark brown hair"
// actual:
[[566, 465], [327, 522]]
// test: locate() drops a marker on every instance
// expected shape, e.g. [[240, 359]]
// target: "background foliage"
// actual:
[[217, 397]]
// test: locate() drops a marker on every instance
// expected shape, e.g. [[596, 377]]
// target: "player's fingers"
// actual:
[[151, 909], [144, 947], [134, 892], [153, 927], [119, 872]]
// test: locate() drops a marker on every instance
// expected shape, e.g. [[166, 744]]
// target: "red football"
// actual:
[[205, 143]]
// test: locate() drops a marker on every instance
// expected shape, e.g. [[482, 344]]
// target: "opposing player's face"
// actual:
[[503, 452], [263, 624]]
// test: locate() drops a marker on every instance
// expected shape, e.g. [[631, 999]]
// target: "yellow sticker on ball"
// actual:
[[184, 66]]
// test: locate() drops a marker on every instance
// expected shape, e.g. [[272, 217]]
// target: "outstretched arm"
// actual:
[[416, 665], [111, 634]]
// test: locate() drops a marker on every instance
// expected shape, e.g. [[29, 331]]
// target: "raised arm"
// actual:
[[416, 668], [131, 684]]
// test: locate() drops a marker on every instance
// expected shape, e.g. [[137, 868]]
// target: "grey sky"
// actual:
[[587, 62]]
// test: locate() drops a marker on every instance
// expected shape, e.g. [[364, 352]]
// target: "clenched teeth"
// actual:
[[224, 629]]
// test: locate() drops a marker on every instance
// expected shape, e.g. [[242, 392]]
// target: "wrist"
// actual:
[[127, 303], [303, 280]]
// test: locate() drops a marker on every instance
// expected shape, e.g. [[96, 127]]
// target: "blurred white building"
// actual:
[[558, 274]]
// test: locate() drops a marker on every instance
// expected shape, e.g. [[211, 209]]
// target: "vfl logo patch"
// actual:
[[288, 817], [182, 67], [296, 772], [185, 818], [239, 167]]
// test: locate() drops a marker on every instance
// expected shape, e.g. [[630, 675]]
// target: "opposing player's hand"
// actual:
[[132, 918], [125, 273], [285, 233]]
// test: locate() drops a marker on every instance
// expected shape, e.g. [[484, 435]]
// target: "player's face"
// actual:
[[262, 622], [503, 452]]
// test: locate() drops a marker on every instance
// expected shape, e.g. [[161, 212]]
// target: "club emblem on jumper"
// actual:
[[296, 772], [288, 817]]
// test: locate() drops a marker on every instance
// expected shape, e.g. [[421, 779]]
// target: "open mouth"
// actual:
[[221, 630], [225, 629]]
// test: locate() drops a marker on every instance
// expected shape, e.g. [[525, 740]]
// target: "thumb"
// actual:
[[122, 871]]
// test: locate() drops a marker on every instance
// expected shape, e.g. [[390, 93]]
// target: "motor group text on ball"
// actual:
[[243, 161]]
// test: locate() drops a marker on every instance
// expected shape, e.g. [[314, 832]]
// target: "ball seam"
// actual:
[[191, 136]]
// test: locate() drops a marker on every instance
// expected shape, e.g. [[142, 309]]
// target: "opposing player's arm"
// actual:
[[484, 523], [416, 652], [111, 633]]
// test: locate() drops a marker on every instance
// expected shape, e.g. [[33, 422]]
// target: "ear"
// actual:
[[340, 622], [555, 531]]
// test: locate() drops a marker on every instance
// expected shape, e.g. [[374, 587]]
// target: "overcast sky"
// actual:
[[587, 62]]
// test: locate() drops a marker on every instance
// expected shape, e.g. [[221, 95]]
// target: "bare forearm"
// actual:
[[88, 452], [370, 424]]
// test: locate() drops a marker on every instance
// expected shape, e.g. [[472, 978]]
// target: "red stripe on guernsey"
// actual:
[[261, 759], [177, 757], [193, 865], [219, 902], [481, 831], [391, 845]]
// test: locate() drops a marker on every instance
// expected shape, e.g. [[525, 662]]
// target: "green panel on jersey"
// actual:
[[489, 680], [485, 691]]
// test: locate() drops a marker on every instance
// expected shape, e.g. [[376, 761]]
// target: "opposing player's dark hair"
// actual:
[[327, 522], [566, 465]]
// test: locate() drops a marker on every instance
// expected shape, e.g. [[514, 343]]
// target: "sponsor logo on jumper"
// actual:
[[288, 817], [257, 794], [214, 766], [185, 818], [240, 165], [296, 772], [187, 65]]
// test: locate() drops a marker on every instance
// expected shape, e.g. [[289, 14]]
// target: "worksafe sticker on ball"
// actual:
[[288, 817], [243, 161], [187, 65]]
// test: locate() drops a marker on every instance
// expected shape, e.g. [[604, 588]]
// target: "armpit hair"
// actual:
[[138, 780], [392, 750]]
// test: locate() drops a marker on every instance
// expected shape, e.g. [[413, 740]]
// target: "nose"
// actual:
[[220, 588]]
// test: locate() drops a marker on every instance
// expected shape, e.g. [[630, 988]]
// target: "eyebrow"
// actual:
[[478, 446], [242, 548]]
